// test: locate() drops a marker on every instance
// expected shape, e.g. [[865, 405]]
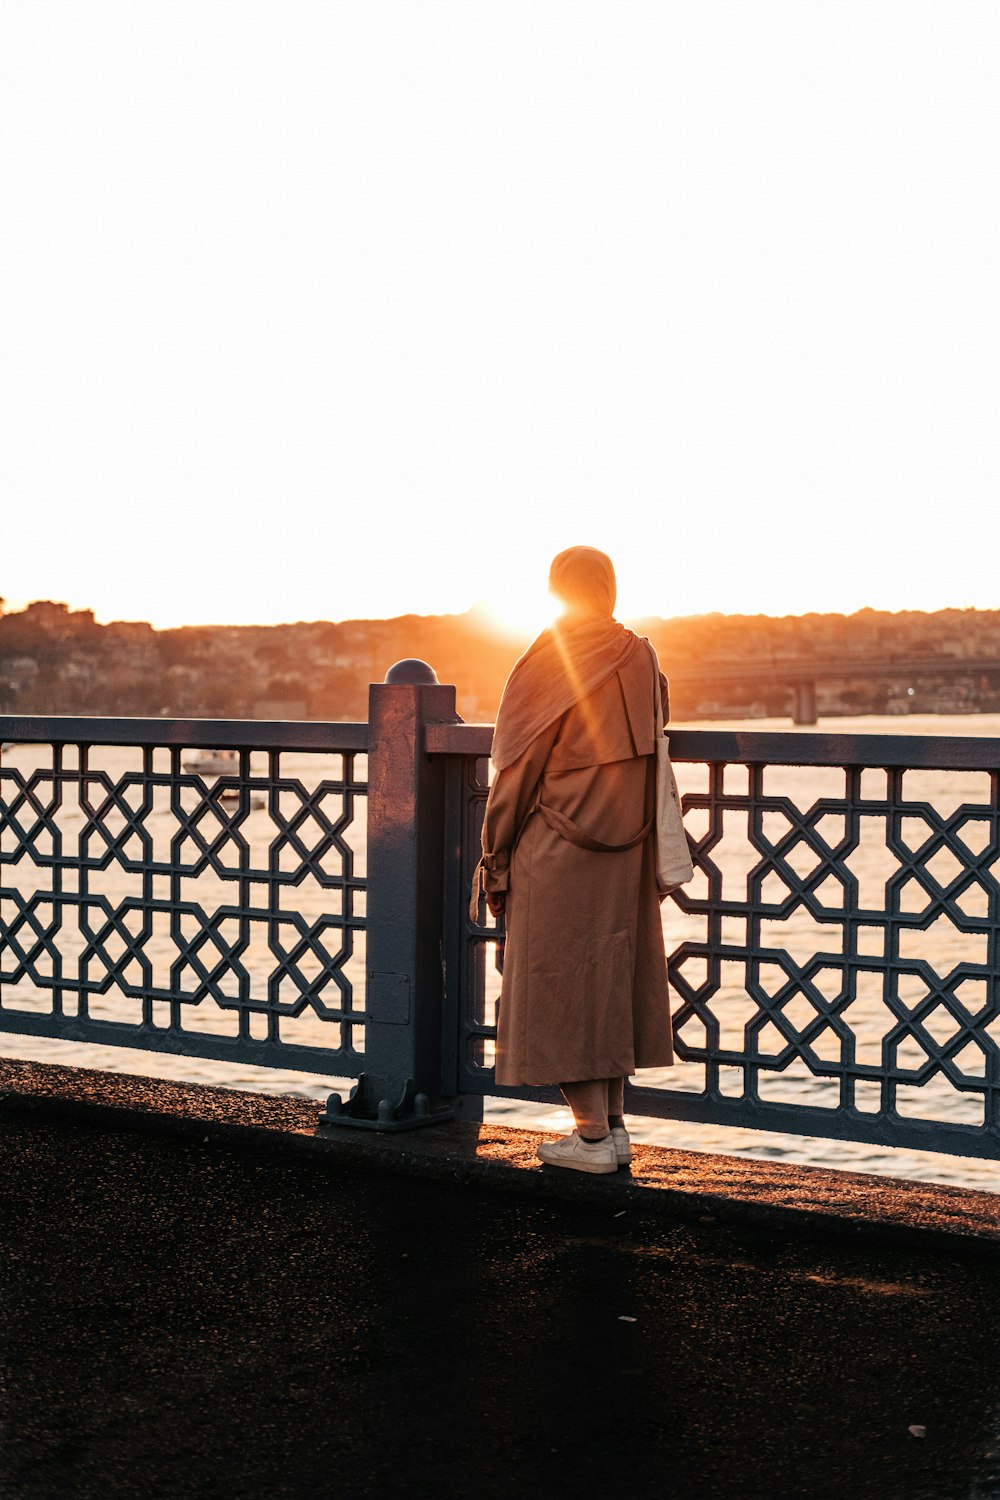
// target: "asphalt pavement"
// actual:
[[186, 1317]]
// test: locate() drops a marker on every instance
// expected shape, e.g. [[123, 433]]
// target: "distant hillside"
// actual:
[[54, 660]]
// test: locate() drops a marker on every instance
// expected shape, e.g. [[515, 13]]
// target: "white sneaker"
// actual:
[[622, 1146], [580, 1155]]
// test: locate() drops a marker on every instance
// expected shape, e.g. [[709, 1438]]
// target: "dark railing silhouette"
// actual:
[[145, 903], [834, 965]]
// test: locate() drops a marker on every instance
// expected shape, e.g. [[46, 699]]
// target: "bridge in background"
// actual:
[[801, 675]]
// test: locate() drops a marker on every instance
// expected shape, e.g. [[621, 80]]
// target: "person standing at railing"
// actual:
[[569, 860]]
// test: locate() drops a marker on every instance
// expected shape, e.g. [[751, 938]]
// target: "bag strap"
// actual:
[[660, 725]]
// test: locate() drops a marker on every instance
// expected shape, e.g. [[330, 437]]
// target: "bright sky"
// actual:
[[333, 308]]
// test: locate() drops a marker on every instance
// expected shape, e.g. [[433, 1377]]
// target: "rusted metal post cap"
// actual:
[[411, 670]]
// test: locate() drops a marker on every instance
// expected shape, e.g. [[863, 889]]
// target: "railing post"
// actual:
[[401, 1084]]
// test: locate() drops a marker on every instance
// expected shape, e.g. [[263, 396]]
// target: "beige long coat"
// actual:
[[584, 991]]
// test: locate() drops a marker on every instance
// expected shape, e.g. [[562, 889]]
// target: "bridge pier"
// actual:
[[804, 701]]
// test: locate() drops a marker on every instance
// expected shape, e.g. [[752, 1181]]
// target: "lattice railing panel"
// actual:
[[219, 913], [834, 965]]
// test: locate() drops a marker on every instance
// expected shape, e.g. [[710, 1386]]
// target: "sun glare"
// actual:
[[524, 613]]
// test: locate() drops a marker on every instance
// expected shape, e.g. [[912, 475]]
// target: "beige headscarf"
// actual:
[[585, 580], [568, 662]]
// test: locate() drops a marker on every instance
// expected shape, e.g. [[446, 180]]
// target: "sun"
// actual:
[[523, 613]]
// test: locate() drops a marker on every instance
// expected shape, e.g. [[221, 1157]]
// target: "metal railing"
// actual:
[[834, 965], [147, 903]]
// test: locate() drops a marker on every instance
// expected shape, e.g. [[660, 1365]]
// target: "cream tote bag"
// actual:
[[673, 856]]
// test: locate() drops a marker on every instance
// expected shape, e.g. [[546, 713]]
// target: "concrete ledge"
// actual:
[[681, 1184]]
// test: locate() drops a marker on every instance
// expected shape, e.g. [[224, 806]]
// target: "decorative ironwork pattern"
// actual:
[[217, 912], [834, 965]]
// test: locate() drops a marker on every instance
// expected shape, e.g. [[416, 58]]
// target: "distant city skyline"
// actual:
[[56, 661], [356, 311]]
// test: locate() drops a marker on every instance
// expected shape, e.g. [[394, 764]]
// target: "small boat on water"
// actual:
[[231, 797], [213, 763], [224, 763]]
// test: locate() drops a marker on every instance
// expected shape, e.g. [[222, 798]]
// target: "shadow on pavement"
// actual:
[[188, 1320]]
